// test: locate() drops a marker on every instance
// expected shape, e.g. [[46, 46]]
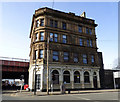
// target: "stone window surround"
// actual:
[[59, 22], [59, 35], [91, 75], [39, 22]]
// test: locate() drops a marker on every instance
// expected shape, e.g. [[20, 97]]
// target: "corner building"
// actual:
[[73, 57]]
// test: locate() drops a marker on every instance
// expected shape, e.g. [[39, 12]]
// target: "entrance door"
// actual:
[[38, 79], [95, 81]]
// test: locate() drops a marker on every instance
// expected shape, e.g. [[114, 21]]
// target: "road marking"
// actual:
[[80, 97]]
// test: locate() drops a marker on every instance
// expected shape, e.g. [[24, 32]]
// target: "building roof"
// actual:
[[68, 16]]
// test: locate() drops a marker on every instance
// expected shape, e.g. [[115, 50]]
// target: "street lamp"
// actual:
[[35, 79], [48, 65]]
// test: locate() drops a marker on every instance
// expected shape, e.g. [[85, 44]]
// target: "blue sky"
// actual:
[[17, 17]]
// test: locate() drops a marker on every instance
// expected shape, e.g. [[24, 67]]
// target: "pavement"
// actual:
[[38, 93], [111, 95]]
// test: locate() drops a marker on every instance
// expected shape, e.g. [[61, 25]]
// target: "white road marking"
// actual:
[[80, 97]]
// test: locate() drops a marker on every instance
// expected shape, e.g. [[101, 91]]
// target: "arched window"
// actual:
[[94, 74], [76, 77], [86, 77], [66, 77], [55, 77]]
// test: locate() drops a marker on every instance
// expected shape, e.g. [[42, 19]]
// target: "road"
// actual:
[[81, 96]]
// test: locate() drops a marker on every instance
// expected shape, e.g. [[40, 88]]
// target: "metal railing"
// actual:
[[14, 59]]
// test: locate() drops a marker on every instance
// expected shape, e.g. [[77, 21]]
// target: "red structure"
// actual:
[[13, 68]]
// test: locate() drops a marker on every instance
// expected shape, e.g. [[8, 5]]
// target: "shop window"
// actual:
[[76, 77], [86, 77], [66, 77], [55, 77]]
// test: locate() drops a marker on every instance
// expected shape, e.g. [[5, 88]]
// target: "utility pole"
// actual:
[[48, 65], [35, 79]]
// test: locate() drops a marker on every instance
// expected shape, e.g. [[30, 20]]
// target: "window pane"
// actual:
[[55, 56], [75, 57], [92, 59], [66, 56], [55, 77], [36, 54], [51, 36], [56, 24], [51, 23], [55, 37], [87, 42], [42, 22], [41, 36], [36, 37], [80, 41], [64, 38], [90, 31], [37, 23], [90, 43], [86, 77], [80, 29], [65, 53], [55, 53], [64, 25], [76, 77], [84, 59], [87, 30], [66, 77], [41, 53]]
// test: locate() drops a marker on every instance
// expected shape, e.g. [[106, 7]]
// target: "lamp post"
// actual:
[[48, 65], [35, 79]]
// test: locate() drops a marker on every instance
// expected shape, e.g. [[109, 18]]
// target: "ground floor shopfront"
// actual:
[[74, 77]]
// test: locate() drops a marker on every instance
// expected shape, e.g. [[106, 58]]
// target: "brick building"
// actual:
[[73, 56]]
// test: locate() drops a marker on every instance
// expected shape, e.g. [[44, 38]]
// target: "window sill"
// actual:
[[86, 83], [77, 83], [67, 83]]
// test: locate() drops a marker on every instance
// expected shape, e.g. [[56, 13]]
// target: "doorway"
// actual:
[[95, 80], [38, 79]]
